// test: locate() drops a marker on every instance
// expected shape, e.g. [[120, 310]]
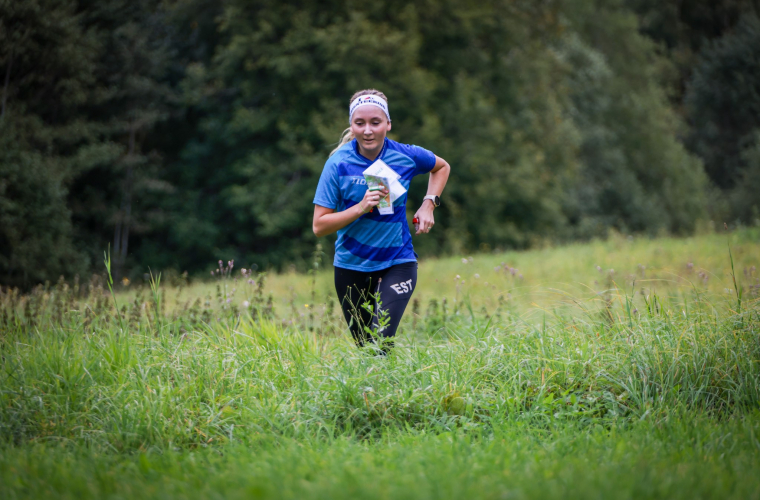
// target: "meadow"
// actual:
[[625, 368]]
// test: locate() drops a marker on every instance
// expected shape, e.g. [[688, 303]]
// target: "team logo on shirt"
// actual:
[[403, 287]]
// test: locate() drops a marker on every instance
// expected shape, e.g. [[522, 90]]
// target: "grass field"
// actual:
[[627, 368]]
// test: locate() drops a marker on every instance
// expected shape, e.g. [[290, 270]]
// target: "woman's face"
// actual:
[[369, 125]]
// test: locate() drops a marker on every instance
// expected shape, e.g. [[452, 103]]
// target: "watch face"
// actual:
[[437, 201]]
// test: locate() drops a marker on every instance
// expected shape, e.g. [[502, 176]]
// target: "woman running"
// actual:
[[375, 264]]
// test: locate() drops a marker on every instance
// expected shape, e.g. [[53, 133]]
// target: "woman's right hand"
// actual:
[[327, 220], [371, 199]]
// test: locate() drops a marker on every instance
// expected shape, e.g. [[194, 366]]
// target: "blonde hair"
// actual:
[[348, 136]]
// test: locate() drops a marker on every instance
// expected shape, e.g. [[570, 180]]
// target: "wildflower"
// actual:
[[464, 261], [457, 277], [497, 269], [125, 281], [212, 273], [246, 303], [229, 300], [306, 306], [599, 268], [242, 271], [477, 276]]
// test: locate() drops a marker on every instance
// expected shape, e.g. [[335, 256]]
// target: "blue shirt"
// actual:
[[373, 241]]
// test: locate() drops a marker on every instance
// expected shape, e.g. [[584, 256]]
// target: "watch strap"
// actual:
[[432, 198]]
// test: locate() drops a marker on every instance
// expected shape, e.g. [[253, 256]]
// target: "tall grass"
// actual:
[[89, 379]]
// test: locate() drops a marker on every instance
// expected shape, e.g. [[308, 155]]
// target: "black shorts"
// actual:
[[375, 301]]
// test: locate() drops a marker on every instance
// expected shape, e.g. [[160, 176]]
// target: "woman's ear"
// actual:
[[389, 127]]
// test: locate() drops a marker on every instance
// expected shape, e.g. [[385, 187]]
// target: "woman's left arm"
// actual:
[[438, 177]]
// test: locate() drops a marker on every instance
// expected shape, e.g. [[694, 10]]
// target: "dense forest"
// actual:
[[179, 132]]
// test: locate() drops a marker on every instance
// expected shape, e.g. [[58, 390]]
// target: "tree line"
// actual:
[[180, 132]]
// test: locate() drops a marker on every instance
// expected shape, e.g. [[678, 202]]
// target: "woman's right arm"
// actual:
[[327, 221]]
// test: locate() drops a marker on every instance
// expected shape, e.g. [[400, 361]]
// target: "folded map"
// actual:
[[381, 169], [376, 183]]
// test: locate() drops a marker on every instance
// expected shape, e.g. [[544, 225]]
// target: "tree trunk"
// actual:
[[121, 231], [127, 215], [7, 83], [117, 233], [116, 270]]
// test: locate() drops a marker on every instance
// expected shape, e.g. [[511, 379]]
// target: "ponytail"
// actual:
[[346, 137]]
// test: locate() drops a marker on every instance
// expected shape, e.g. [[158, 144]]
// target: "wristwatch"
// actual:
[[435, 199]]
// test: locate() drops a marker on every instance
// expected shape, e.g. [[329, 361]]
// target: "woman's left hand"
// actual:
[[425, 217]]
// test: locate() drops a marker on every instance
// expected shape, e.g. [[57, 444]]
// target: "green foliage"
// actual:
[[184, 132], [723, 104], [634, 174], [47, 60], [35, 227], [487, 92], [683, 29], [81, 88], [132, 95], [746, 195]]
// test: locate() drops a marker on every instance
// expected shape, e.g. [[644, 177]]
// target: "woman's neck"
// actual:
[[371, 156]]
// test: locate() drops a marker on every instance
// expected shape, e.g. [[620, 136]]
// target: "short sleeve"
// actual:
[[424, 160], [328, 189]]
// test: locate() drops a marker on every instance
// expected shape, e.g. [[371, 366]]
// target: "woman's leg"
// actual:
[[354, 289], [396, 286]]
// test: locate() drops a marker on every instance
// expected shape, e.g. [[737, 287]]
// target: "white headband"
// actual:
[[372, 100]]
